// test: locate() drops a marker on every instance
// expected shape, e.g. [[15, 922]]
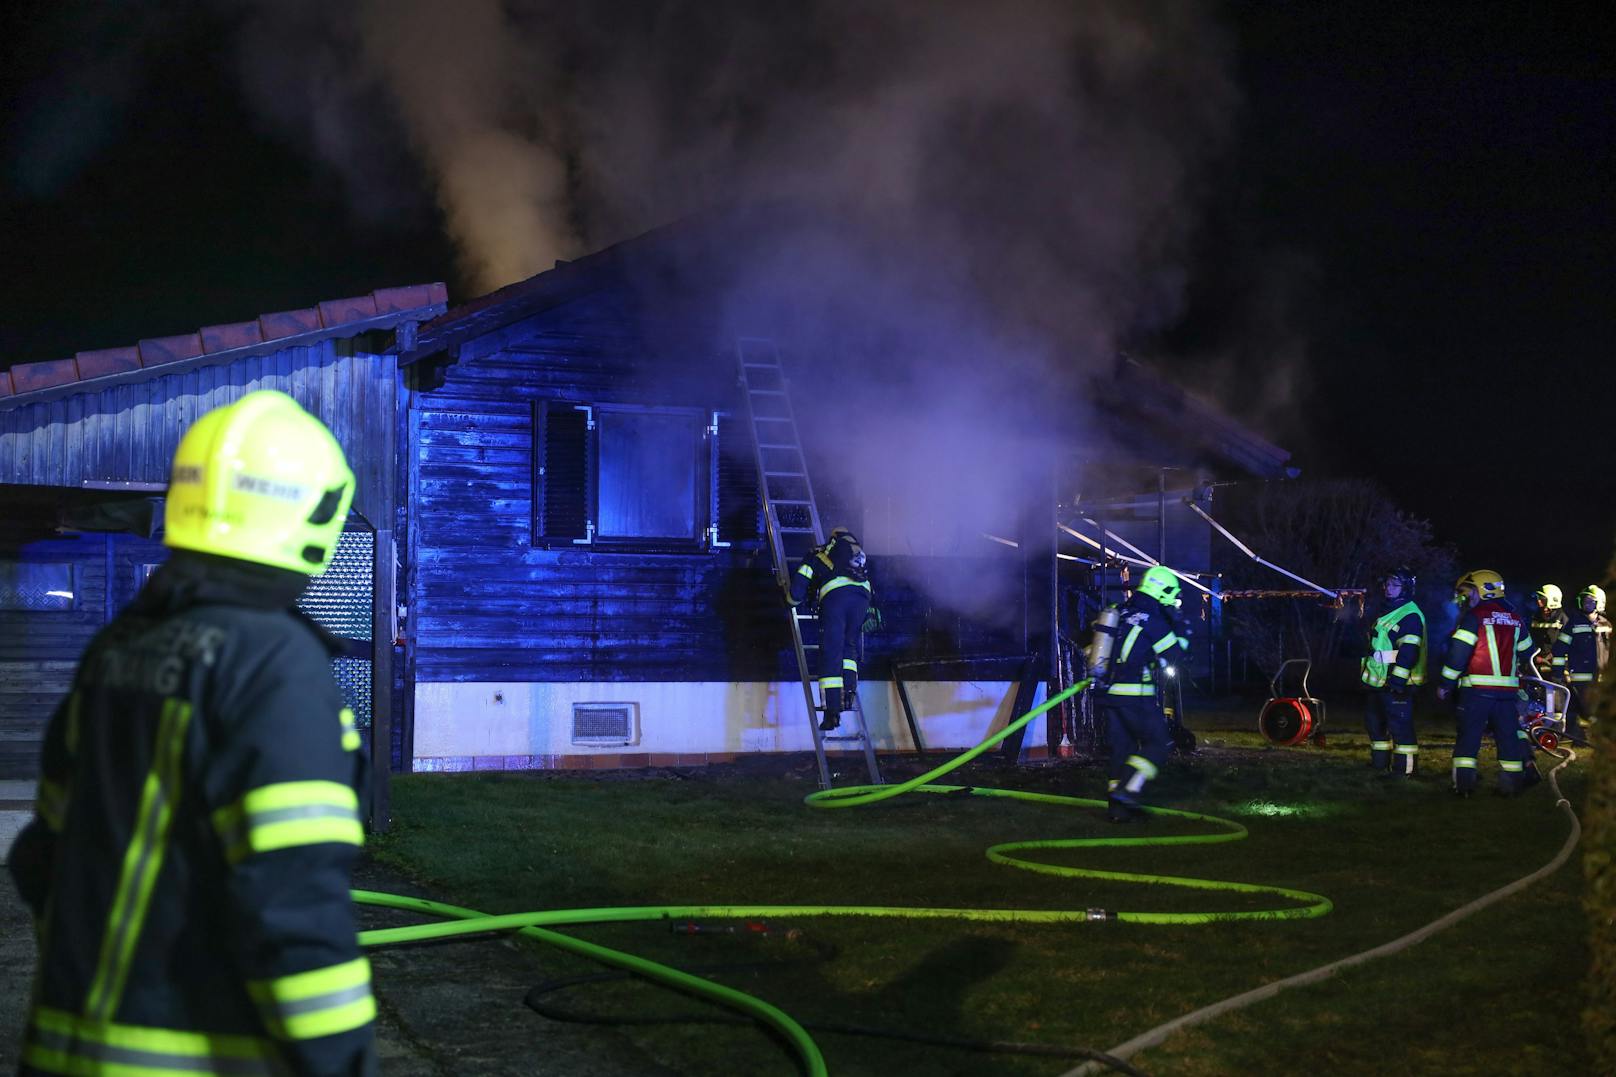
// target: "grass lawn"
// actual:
[[1497, 994]]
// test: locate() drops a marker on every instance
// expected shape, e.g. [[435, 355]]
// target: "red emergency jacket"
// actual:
[[1490, 639]]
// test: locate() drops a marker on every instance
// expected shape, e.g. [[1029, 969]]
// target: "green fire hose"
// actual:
[[538, 925]]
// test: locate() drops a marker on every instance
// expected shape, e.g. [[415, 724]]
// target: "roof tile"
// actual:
[[288, 323], [221, 338], [160, 350], [334, 312], [107, 361], [408, 298], [26, 377]]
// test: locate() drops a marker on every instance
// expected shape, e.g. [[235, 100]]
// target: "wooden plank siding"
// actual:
[[40, 649], [128, 432], [489, 605]]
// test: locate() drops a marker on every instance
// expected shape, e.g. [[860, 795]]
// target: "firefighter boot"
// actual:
[[1511, 777], [1121, 807], [833, 710], [1528, 776], [1403, 761], [1380, 754]]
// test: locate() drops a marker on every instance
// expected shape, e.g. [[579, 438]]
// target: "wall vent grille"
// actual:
[[608, 724]]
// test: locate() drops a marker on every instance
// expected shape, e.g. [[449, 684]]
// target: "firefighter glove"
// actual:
[[872, 621]]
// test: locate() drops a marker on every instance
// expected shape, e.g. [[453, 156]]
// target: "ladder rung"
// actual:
[[779, 445], [786, 474], [766, 366], [796, 530], [766, 392], [788, 501]]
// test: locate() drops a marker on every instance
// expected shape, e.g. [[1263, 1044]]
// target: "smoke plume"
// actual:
[[986, 198]]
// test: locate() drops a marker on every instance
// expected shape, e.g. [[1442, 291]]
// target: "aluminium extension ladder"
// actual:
[[793, 527]]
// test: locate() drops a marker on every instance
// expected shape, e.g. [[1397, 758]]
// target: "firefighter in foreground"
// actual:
[[1487, 646], [1131, 644], [1393, 668], [1547, 623], [198, 818], [837, 574], [1581, 652]]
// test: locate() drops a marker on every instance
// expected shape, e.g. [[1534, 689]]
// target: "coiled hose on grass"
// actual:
[[539, 924]]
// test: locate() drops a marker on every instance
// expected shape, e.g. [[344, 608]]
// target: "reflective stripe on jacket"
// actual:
[[838, 563], [190, 863], [1486, 646], [1146, 636], [1583, 648], [1397, 648]]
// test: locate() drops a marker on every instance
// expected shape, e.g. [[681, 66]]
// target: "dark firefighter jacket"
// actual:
[[1145, 634], [1546, 628], [1583, 648], [1396, 648], [838, 563], [1485, 648], [192, 848]]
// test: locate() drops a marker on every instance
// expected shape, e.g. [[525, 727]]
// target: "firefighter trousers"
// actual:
[[841, 619], [1139, 738], [1481, 713], [1389, 719], [1577, 709]]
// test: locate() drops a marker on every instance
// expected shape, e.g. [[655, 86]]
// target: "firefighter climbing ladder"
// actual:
[[793, 524]]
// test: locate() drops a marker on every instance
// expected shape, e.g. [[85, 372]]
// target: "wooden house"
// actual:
[[556, 556], [587, 582]]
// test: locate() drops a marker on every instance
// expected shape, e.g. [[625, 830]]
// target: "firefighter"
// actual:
[[1581, 653], [1393, 667], [1487, 646], [1144, 638], [1547, 624], [190, 857], [837, 575]]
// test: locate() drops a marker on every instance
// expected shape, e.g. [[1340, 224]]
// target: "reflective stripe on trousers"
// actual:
[[61, 1042]]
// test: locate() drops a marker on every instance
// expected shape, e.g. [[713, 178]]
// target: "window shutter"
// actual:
[[740, 517], [562, 467]]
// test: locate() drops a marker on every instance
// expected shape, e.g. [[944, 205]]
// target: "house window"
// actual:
[[34, 586], [649, 472], [632, 477]]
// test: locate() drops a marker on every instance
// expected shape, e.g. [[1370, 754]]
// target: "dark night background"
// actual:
[[1407, 254]]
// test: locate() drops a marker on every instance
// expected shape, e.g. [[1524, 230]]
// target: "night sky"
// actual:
[[1405, 262]]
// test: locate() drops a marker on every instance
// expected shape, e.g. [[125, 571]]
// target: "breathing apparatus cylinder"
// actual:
[[1103, 640]]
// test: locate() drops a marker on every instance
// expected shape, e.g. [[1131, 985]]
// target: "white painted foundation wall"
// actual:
[[459, 722]]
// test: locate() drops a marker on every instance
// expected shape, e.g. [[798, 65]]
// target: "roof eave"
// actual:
[[220, 358]]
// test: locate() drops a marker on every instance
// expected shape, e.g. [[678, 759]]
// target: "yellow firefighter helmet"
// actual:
[[259, 480], [1486, 583], [1160, 583]]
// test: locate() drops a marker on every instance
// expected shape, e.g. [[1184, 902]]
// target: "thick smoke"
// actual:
[[985, 199]]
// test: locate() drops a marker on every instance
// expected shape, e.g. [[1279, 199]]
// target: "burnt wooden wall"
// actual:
[[488, 604]]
